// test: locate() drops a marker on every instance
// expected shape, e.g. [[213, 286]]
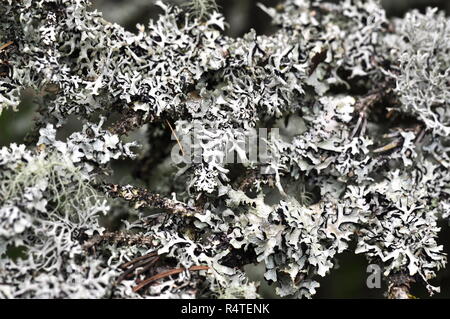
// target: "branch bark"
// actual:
[[142, 198]]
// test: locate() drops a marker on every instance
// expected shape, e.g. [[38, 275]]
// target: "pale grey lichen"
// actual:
[[360, 103], [422, 47]]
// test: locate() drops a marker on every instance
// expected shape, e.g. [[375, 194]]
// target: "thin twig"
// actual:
[[118, 238], [176, 137], [361, 117], [166, 274], [142, 198], [4, 46], [420, 135], [389, 146], [364, 104], [131, 262], [147, 266], [130, 270]]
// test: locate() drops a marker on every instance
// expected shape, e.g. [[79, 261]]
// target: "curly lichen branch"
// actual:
[[144, 262], [399, 287], [171, 272], [118, 238], [138, 259], [142, 198]]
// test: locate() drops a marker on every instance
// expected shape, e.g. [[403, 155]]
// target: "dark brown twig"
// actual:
[[148, 266], [420, 134], [4, 46], [388, 147], [131, 262], [145, 282], [318, 58], [364, 104]]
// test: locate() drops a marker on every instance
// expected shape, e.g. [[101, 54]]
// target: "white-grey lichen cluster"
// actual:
[[48, 206], [361, 104], [423, 85]]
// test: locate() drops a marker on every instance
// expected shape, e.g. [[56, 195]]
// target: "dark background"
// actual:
[[349, 279]]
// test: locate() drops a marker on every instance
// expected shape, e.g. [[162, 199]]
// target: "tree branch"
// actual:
[[142, 198], [399, 286], [118, 238]]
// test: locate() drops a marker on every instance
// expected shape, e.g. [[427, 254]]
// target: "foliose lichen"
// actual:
[[360, 103]]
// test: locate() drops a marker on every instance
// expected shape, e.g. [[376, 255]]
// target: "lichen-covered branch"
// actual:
[[283, 149], [118, 238], [142, 198]]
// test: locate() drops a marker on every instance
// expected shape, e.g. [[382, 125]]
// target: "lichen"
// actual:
[[350, 107]]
